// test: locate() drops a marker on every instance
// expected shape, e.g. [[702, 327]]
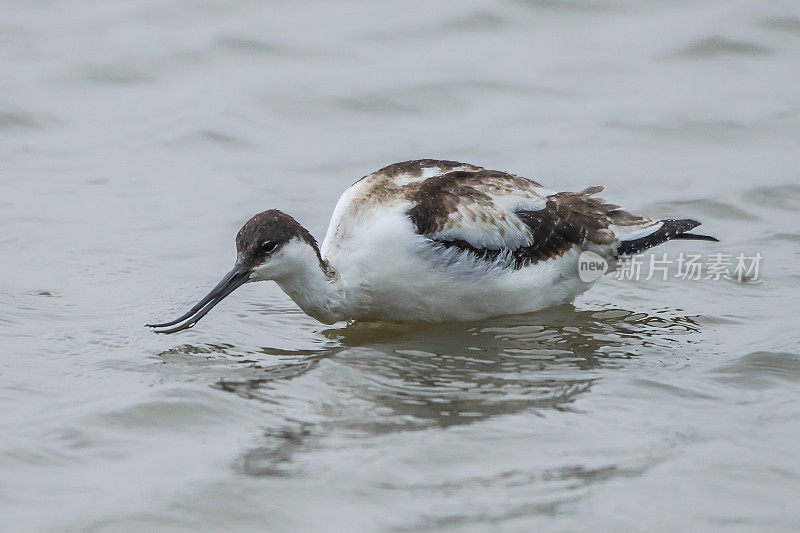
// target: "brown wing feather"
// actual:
[[568, 220]]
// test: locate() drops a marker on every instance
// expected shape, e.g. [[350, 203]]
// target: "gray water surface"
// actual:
[[135, 139]]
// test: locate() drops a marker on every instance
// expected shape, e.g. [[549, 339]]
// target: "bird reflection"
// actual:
[[379, 378]]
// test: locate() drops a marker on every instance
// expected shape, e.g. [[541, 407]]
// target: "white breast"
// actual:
[[392, 273]]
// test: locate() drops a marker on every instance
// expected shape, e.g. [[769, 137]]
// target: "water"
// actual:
[[136, 137]]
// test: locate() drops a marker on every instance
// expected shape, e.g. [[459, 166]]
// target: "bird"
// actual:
[[437, 241]]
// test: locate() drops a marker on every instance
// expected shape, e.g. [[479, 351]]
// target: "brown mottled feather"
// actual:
[[568, 220], [487, 213]]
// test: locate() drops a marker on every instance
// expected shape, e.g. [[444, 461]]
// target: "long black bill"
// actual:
[[232, 281]]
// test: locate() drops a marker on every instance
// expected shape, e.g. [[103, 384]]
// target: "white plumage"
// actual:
[[393, 273], [437, 241]]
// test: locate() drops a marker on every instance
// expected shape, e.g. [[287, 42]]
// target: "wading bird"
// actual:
[[437, 241]]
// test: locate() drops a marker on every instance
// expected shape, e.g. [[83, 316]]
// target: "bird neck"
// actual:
[[314, 285]]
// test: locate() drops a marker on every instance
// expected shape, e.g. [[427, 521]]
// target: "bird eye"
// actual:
[[269, 246]]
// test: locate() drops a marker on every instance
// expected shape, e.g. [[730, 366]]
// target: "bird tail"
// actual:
[[667, 230]]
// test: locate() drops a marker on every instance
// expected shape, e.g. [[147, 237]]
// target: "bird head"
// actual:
[[268, 247]]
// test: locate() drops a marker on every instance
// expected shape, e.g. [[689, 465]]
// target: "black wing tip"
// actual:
[[679, 229], [677, 226], [695, 237], [671, 229]]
